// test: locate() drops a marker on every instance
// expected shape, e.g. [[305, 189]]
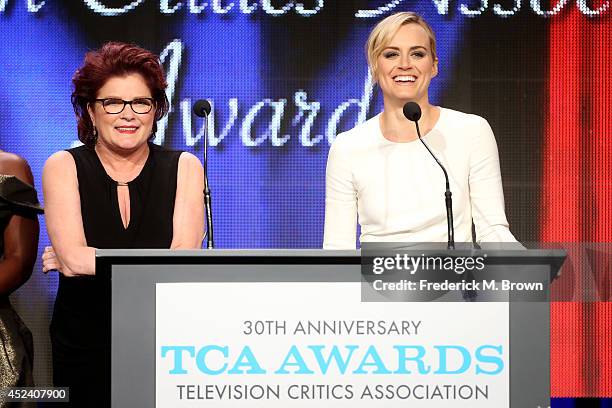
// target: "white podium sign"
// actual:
[[316, 344]]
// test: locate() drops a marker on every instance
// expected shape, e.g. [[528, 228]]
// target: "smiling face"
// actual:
[[405, 67], [127, 130]]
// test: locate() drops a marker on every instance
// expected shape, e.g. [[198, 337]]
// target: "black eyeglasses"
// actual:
[[116, 105]]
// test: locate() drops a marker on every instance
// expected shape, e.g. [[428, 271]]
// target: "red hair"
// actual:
[[115, 59]]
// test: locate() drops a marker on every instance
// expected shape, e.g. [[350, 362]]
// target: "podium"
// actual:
[[159, 297]]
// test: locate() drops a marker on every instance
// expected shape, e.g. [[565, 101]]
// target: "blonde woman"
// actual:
[[380, 175]]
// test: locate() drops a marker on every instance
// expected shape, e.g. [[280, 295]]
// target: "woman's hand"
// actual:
[[50, 261]]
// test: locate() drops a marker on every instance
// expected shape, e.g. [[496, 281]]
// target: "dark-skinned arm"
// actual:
[[20, 234]]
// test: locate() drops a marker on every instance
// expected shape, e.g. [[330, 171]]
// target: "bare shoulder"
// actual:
[[189, 160], [12, 164], [59, 169], [188, 163], [11, 159], [60, 162]]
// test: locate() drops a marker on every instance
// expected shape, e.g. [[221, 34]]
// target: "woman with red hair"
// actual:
[[118, 190]]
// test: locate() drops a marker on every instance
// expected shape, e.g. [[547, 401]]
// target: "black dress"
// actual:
[[16, 344], [79, 342]]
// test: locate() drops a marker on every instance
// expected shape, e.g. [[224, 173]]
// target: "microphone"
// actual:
[[202, 109], [412, 112]]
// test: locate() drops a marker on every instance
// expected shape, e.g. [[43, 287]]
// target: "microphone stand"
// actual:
[[207, 201], [447, 194]]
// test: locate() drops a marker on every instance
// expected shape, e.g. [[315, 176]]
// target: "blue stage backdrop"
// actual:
[[283, 77]]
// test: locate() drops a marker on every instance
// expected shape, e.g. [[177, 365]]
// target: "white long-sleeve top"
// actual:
[[396, 190]]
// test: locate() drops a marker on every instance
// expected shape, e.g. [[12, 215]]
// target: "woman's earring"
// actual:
[[95, 134]]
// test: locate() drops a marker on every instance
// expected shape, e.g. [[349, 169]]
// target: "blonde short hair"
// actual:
[[383, 32]]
